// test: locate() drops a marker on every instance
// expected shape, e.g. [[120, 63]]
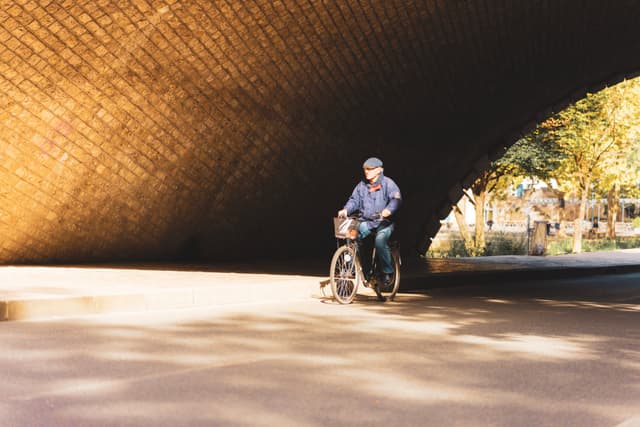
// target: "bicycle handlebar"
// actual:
[[378, 216]]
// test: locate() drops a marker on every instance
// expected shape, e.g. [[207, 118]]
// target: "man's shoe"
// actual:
[[387, 282]]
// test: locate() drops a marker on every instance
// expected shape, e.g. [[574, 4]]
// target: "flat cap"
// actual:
[[372, 162]]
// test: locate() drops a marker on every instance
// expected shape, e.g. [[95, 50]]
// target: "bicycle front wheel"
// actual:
[[344, 274]]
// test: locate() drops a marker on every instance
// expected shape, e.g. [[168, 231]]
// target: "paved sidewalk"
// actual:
[[28, 292]]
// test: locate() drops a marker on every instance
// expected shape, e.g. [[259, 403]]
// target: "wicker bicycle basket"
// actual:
[[345, 228]]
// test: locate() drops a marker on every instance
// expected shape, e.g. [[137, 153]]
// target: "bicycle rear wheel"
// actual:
[[388, 294], [344, 274]]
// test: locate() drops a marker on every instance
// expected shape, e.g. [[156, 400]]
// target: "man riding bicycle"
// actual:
[[375, 200]]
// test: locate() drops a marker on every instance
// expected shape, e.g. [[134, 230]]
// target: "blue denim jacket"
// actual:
[[368, 200]]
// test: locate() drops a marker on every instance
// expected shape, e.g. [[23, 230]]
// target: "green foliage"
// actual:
[[534, 156], [506, 244], [628, 243], [451, 248], [636, 222], [564, 246], [498, 243], [560, 247], [600, 136], [597, 139], [600, 245]]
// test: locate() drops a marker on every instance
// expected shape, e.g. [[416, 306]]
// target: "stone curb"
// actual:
[[155, 300]]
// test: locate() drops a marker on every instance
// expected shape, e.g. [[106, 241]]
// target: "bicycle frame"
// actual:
[[364, 277]]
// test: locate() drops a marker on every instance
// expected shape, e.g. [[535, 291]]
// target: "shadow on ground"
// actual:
[[561, 353]]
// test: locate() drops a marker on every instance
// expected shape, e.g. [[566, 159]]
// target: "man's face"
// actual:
[[371, 174]]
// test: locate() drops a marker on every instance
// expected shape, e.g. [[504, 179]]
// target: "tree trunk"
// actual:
[[462, 226], [480, 241], [577, 226], [613, 201]]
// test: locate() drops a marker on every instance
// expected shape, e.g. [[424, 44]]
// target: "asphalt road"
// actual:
[[552, 353]]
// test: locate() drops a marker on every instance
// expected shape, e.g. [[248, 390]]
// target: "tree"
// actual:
[[620, 167], [536, 155], [593, 145], [532, 156], [468, 239], [592, 133]]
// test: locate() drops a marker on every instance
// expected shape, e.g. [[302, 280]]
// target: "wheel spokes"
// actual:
[[345, 275]]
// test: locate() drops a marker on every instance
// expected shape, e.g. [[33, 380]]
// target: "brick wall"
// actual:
[[171, 129]]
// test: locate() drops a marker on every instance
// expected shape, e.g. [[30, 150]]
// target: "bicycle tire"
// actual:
[[389, 295], [344, 274]]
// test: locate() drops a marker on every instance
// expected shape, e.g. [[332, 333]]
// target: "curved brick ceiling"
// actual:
[[166, 129]]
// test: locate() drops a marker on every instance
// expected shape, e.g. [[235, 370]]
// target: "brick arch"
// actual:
[[165, 130]]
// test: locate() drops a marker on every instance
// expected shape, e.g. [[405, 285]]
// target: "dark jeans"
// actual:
[[383, 251]]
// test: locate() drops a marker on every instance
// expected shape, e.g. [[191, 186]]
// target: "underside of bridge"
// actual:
[[165, 129]]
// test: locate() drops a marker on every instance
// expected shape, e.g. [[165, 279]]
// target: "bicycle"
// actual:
[[346, 272]]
